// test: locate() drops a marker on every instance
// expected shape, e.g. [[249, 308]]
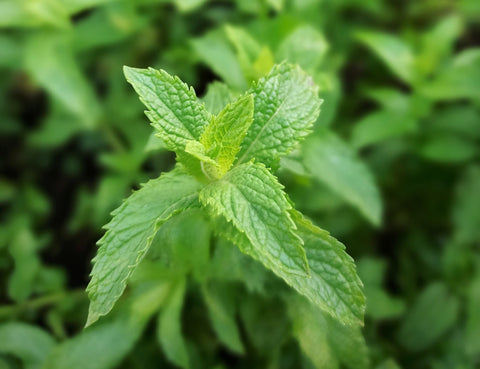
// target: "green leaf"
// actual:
[[223, 136], [449, 149], [50, 60], [251, 198], [221, 310], [215, 51], [381, 125], [333, 284], [169, 331], [458, 80], [218, 95], [434, 312], [246, 47], [286, 106], [28, 343], [305, 46], [172, 106], [393, 51], [33, 13], [447, 29], [130, 233], [335, 164]]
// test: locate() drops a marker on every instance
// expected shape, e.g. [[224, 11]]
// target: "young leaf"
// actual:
[[130, 233], [172, 106], [251, 198], [223, 136], [286, 106], [333, 284], [51, 61], [334, 163], [170, 329]]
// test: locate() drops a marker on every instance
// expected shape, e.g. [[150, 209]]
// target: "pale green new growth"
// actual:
[[286, 106], [252, 199], [130, 233], [222, 138]]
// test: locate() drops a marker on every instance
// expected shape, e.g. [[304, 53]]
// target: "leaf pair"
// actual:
[[242, 194]]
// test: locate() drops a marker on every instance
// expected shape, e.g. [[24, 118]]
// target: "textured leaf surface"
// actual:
[[333, 284], [286, 106], [28, 343], [251, 198], [130, 233], [334, 163], [223, 136], [172, 106], [170, 327]]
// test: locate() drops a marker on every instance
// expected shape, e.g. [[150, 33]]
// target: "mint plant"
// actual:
[[224, 167]]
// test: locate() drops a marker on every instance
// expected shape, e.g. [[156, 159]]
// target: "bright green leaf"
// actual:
[[130, 233], [333, 284], [286, 106], [173, 107], [251, 198], [223, 136]]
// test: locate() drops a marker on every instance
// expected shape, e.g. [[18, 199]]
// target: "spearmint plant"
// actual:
[[224, 166]]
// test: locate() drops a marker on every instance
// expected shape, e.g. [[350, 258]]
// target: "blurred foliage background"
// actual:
[[392, 170]]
